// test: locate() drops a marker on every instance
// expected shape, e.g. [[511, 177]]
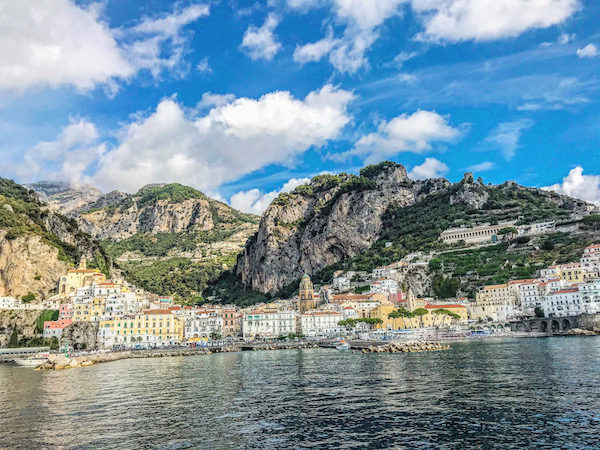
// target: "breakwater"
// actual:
[[407, 347]]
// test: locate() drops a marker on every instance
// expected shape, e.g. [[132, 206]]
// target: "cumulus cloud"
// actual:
[[361, 20], [589, 51], [228, 141], [484, 20], [261, 42], [481, 167], [414, 133], [255, 202], [576, 184], [505, 137], [209, 99], [50, 43], [431, 168], [65, 159]]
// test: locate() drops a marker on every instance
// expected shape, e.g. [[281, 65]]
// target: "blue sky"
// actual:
[[242, 99]]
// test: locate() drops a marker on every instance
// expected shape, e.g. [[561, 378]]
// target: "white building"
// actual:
[[7, 303], [320, 324], [562, 303], [268, 324], [537, 228], [475, 235], [203, 324], [384, 286], [590, 297], [341, 284]]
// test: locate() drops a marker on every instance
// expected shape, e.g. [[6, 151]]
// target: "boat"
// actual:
[[343, 345], [32, 361]]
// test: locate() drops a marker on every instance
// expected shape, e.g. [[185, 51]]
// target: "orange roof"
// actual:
[[566, 291], [443, 306], [157, 311], [521, 281]]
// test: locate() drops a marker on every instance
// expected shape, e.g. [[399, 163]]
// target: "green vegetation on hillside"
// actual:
[[175, 276], [228, 288], [173, 192], [21, 214]]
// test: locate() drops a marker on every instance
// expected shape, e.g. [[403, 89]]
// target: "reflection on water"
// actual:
[[501, 393]]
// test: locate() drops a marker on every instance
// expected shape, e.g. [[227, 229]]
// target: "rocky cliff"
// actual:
[[164, 232], [64, 197], [336, 218], [37, 245]]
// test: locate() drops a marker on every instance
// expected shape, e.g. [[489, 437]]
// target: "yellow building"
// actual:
[[78, 278], [153, 327], [307, 295], [81, 312], [429, 320], [97, 308], [571, 273], [497, 294]]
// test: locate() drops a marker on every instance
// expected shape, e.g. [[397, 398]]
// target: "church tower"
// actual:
[[307, 297]]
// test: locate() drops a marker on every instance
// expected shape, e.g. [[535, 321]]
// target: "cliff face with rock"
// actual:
[[37, 245], [329, 220], [336, 218], [162, 232]]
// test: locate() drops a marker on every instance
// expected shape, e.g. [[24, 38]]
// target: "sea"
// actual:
[[483, 393]]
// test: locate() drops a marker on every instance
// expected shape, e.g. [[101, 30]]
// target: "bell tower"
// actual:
[[307, 297]]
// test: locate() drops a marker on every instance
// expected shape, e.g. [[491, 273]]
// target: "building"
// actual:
[[476, 235], [590, 297], [562, 303], [537, 228], [384, 286], [65, 311], [203, 324], [229, 321], [152, 328], [78, 278], [268, 324], [55, 328], [320, 324], [307, 295]]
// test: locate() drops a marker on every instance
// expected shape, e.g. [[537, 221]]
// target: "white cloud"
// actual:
[[261, 42], [481, 167], [51, 43], [315, 51], [203, 66], [229, 141], [209, 99], [255, 202], [505, 137], [406, 133], [589, 51], [431, 168], [65, 159], [576, 184], [361, 19], [482, 20]]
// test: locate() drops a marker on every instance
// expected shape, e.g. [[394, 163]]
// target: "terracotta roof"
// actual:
[[521, 281], [444, 306], [157, 311], [566, 291]]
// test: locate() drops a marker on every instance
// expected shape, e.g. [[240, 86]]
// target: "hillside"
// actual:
[[345, 221], [168, 238], [37, 245]]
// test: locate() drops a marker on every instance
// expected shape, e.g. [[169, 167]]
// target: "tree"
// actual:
[[592, 221], [508, 232], [394, 315], [28, 298], [547, 245], [215, 335], [13, 342], [539, 312], [420, 312], [404, 313], [439, 312]]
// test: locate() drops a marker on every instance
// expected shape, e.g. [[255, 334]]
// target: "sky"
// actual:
[[245, 99]]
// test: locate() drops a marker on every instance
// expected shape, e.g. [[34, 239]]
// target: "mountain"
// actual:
[[64, 197], [360, 222], [37, 244], [168, 238]]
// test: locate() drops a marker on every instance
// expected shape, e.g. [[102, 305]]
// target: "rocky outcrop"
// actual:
[[330, 221], [23, 320], [335, 218], [407, 347], [81, 335], [64, 197], [29, 264]]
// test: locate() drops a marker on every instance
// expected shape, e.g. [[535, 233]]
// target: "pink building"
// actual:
[[65, 311], [398, 297], [229, 321], [55, 328]]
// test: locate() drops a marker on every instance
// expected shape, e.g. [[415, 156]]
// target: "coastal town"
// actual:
[[124, 316]]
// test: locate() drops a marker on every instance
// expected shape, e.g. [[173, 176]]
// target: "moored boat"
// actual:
[[343, 345], [32, 361]]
